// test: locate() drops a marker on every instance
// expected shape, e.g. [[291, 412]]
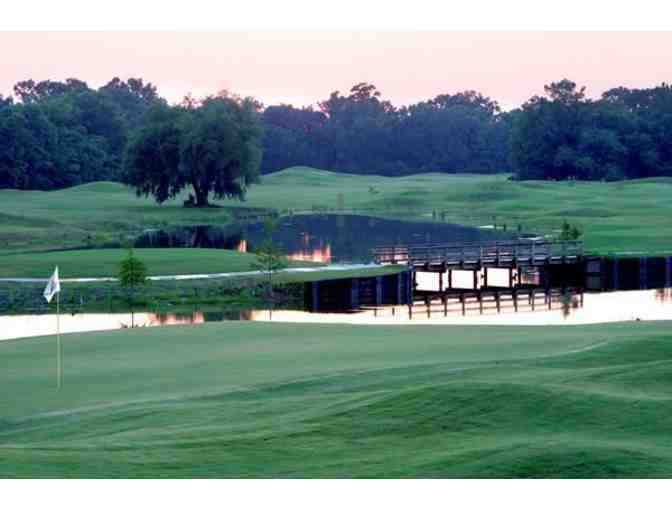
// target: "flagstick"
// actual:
[[59, 375]]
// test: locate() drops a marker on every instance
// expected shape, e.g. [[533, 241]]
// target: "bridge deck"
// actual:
[[494, 254]]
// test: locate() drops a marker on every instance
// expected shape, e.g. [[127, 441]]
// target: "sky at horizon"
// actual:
[[301, 67]]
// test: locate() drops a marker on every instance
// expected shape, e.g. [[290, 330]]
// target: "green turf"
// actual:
[[282, 400], [93, 263], [619, 216], [164, 261], [92, 213]]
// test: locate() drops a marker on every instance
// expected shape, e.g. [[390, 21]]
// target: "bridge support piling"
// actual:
[[354, 294], [315, 298], [400, 291]]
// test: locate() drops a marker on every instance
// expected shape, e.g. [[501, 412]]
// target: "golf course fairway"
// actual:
[[239, 399]]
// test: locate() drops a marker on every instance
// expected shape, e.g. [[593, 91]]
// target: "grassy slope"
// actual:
[[275, 400], [620, 216], [104, 210], [168, 261], [92, 263]]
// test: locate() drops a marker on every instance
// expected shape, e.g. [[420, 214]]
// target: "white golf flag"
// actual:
[[53, 286]]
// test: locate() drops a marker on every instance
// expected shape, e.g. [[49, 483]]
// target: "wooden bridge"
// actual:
[[492, 254], [494, 276]]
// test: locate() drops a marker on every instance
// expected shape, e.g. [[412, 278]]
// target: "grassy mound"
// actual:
[[96, 263], [281, 400], [616, 216]]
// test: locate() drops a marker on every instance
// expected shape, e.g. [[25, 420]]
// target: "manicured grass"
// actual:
[[163, 261], [101, 212], [620, 216], [333, 274], [237, 289], [94, 263], [240, 291], [285, 400]]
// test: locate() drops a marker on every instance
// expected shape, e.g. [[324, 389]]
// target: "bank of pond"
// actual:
[[325, 238], [547, 287], [561, 309]]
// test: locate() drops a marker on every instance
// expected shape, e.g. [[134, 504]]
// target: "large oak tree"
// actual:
[[212, 147]]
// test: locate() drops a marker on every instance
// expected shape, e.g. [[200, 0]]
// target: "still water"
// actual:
[[597, 308], [328, 238]]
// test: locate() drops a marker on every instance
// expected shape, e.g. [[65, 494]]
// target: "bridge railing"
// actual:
[[466, 253]]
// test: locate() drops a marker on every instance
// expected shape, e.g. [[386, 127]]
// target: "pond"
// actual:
[[597, 308], [327, 238]]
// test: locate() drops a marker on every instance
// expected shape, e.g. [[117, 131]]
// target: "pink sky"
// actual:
[[304, 67]]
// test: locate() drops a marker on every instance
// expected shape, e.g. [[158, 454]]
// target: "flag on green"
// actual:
[[53, 286]]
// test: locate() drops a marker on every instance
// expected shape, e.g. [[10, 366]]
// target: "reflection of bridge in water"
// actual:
[[486, 277], [495, 276]]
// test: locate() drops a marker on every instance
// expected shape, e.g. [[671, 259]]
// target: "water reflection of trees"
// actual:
[[664, 295], [569, 302], [347, 237], [170, 319]]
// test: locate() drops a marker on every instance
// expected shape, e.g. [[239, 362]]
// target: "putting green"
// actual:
[[285, 400]]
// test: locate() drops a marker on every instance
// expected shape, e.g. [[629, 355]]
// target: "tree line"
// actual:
[[59, 134], [626, 134], [362, 133]]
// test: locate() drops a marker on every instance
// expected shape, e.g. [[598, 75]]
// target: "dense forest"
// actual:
[[361, 133], [626, 134], [59, 134], [54, 134]]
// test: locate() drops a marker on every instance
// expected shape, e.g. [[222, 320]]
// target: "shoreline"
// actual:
[[602, 308]]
